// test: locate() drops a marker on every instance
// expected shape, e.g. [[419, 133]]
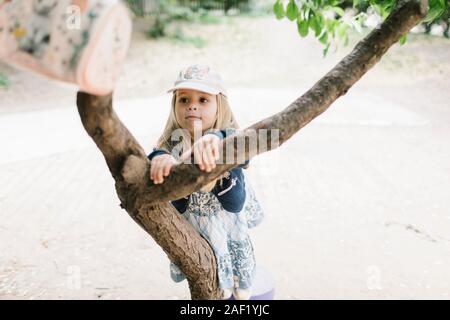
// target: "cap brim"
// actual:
[[195, 86]]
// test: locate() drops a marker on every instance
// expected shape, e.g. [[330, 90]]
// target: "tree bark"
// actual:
[[148, 204]]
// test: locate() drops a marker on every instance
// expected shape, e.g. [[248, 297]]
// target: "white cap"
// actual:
[[201, 78]]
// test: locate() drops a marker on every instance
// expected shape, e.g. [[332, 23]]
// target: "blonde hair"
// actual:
[[224, 119]]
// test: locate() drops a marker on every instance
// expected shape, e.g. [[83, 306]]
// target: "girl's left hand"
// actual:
[[206, 152]]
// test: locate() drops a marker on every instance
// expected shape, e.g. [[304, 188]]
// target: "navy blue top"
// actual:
[[231, 193]]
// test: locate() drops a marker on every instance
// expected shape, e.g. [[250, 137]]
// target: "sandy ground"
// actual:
[[357, 203]]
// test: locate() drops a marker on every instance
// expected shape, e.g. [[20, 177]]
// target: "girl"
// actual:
[[223, 210]]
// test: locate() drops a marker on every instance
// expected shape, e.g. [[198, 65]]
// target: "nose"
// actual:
[[192, 107]]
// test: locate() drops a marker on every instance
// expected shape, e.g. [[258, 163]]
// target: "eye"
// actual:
[[183, 100], [203, 100]]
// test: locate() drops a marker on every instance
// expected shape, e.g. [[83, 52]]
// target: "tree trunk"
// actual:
[[148, 204]]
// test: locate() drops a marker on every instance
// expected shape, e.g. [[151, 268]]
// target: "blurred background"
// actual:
[[357, 203]]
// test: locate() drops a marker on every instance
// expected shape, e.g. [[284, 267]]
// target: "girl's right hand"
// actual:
[[160, 167]]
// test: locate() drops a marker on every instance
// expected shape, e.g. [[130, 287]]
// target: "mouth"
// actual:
[[193, 117]]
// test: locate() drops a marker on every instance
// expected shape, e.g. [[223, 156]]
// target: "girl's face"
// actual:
[[195, 109]]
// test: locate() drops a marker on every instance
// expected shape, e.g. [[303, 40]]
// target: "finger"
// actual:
[[153, 169], [159, 174], [198, 157], [208, 157], [186, 155], [215, 150], [206, 164], [167, 167]]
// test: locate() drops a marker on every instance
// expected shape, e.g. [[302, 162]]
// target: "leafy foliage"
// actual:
[[331, 20]]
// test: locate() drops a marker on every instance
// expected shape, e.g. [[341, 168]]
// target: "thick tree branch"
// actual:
[[147, 203]]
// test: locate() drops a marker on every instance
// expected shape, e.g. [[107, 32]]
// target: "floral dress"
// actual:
[[227, 233]]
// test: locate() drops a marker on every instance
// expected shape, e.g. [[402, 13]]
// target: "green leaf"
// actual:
[[278, 9], [433, 14], [334, 2], [324, 38], [315, 25], [308, 13], [325, 50], [302, 26], [331, 25], [291, 10], [342, 30], [403, 39]]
